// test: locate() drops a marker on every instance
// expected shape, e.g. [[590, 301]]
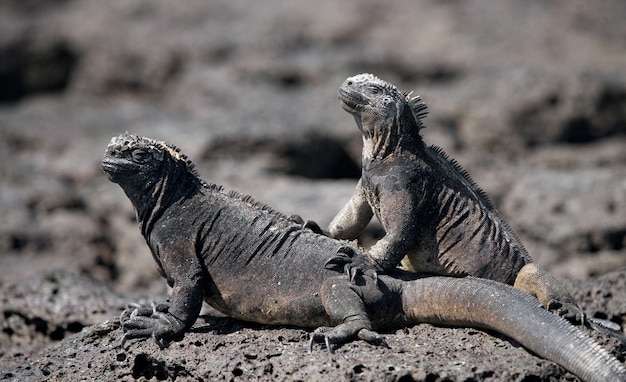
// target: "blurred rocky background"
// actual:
[[529, 96]]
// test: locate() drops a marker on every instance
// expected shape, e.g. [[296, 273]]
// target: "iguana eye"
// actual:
[[375, 90], [140, 155]]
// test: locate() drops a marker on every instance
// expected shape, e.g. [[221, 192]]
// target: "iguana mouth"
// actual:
[[113, 167], [350, 102], [108, 166]]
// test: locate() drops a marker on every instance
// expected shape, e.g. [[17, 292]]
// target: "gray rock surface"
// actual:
[[530, 97], [220, 348]]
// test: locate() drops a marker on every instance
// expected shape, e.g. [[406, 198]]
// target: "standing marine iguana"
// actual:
[[436, 219], [252, 263]]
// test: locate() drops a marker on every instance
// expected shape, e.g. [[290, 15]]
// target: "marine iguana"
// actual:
[[253, 263], [436, 219]]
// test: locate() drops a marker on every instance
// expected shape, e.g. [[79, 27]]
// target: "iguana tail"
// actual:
[[491, 305]]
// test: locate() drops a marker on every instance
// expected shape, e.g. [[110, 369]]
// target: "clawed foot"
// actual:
[[354, 263], [309, 224], [568, 310], [150, 320], [321, 334], [574, 314], [335, 336]]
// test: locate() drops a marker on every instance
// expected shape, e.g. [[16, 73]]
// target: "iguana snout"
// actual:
[[351, 102]]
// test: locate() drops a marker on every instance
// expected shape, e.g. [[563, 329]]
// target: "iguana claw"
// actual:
[[339, 260], [150, 320], [568, 310], [309, 224], [353, 263], [319, 334], [339, 335], [572, 312]]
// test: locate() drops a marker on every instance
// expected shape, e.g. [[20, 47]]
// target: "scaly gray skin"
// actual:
[[436, 218], [252, 263]]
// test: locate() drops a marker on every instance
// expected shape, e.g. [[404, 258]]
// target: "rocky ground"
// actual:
[[530, 97]]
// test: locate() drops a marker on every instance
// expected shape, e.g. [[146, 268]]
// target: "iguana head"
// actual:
[[147, 169], [129, 157], [387, 117]]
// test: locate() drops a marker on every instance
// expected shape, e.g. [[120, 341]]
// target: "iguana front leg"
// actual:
[[165, 322], [396, 215], [353, 217], [549, 291]]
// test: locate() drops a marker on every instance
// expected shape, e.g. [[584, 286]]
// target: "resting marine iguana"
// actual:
[[253, 263], [436, 219]]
